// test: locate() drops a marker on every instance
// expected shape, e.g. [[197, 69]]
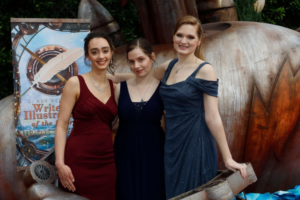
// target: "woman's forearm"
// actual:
[[117, 78], [215, 126], [60, 144]]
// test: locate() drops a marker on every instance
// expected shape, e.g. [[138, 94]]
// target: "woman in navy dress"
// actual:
[[139, 142], [189, 91]]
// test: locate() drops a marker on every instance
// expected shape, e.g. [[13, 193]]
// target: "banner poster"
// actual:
[[46, 53]]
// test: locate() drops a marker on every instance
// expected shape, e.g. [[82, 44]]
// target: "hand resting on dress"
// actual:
[[66, 177]]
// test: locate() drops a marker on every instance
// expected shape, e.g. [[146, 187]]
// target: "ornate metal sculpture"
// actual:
[[223, 187], [39, 172], [216, 11], [158, 17], [43, 191], [101, 20]]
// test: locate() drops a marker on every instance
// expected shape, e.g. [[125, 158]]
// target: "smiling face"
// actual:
[[139, 62], [186, 39], [99, 53]]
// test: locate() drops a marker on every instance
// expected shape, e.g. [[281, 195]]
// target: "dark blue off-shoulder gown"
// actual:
[[190, 149], [139, 148]]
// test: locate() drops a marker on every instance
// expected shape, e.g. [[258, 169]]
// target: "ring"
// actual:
[[244, 164]]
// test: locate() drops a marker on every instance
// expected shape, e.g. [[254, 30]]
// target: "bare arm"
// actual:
[[117, 78], [115, 123], [67, 102], [159, 72], [214, 122], [117, 92]]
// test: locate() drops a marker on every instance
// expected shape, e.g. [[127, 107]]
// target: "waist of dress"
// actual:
[[139, 122], [90, 124], [172, 111], [135, 127]]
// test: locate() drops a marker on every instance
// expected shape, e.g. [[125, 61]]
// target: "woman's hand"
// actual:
[[66, 177], [233, 166]]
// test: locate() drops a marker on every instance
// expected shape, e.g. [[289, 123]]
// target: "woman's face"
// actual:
[[186, 39], [99, 53], [139, 62]]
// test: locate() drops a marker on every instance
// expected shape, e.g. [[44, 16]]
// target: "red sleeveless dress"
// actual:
[[89, 149]]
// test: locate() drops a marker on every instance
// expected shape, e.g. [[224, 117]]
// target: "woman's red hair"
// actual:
[[188, 19]]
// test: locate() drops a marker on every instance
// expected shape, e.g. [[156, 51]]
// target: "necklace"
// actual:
[[178, 68], [146, 90], [96, 86]]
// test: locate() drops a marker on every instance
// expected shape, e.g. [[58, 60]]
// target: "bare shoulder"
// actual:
[[73, 82], [207, 72], [131, 82], [72, 87], [156, 81]]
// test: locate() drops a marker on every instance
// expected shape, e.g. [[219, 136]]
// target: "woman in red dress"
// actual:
[[85, 162]]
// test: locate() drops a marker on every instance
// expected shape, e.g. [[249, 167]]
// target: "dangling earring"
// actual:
[[110, 63]]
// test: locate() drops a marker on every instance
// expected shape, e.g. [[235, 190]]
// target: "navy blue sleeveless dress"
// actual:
[[139, 148], [190, 149]]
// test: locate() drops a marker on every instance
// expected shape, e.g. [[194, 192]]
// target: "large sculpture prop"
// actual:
[[216, 11], [11, 185], [101, 20], [159, 17], [223, 187]]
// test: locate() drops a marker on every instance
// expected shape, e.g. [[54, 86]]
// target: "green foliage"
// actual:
[[126, 17], [245, 10], [282, 12]]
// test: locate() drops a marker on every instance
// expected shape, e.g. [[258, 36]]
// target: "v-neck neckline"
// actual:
[[144, 101], [94, 95], [197, 69], [137, 115], [170, 74]]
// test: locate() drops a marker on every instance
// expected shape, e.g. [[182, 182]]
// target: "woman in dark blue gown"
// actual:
[[189, 91], [139, 142]]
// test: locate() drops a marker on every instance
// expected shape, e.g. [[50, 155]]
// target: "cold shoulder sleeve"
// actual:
[[205, 86]]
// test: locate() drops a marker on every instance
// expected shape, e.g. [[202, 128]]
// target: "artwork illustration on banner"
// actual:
[[46, 53]]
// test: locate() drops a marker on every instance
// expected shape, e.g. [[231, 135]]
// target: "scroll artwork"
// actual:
[[46, 53]]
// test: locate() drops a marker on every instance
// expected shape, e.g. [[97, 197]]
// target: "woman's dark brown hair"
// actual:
[[141, 43], [194, 22], [88, 38]]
